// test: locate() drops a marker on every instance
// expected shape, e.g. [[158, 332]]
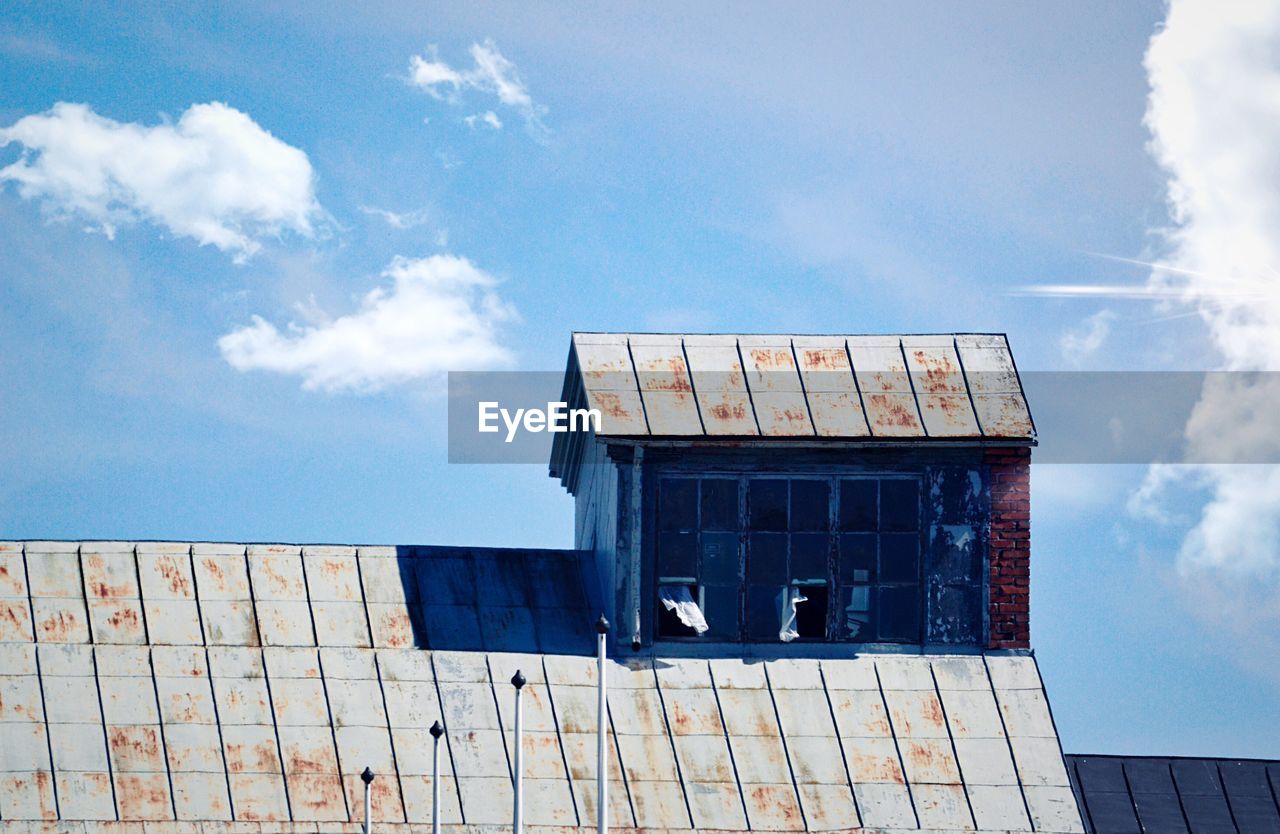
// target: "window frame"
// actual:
[[832, 475]]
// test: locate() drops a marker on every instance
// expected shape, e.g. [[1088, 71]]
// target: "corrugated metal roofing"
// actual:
[[883, 387], [224, 683], [1122, 794]]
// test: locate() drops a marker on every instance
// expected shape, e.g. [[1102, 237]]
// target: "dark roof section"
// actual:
[[1123, 794]]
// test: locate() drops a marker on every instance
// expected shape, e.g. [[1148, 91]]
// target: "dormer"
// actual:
[[809, 495]]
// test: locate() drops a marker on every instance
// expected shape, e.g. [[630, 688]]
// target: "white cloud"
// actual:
[[1214, 118], [397, 219], [488, 118], [491, 73], [1082, 342], [439, 313], [215, 176]]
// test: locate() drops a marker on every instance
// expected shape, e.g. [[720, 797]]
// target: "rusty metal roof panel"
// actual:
[[720, 385], [879, 387]]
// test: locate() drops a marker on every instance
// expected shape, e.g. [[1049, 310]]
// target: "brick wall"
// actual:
[[1010, 548]]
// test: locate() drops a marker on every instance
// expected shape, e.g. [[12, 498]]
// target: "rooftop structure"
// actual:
[[818, 552]]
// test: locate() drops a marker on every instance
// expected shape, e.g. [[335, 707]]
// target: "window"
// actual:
[[764, 559]]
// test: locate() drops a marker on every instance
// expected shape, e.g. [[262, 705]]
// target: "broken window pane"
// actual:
[[677, 504], [858, 506], [675, 619], [719, 504], [899, 505], [955, 556], [811, 615], [767, 504], [810, 506]]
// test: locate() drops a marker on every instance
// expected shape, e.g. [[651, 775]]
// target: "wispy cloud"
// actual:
[[1214, 119], [438, 314], [214, 176], [486, 119], [491, 73], [40, 48], [399, 220], [1080, 343]]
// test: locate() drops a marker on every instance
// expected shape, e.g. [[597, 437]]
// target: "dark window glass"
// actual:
[[677, 554], [857, 618], [956, 616], [719, 504], [721, 611], [767, 504], [900, 613], [678, 504], [669, 624], [858, 557], [810, 506], [764, 612], [809, 555], [767, 558], [858, 511], [899, 505], [900, 557], [811, 615], [720, 558]]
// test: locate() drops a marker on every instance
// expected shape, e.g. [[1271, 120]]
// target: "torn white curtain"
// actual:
[[678, 599], [791, 597]]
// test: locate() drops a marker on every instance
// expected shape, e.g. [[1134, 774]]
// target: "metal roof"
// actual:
[[1121, 794], [252, 684], [787, 386]]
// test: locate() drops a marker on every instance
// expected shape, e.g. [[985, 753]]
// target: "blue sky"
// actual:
[[840, 168]]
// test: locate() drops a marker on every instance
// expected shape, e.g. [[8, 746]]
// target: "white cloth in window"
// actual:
[[791, 598], [678, 599]]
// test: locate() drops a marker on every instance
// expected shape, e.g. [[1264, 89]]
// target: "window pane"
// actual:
[[900, 613], [900, 557], [719, 504], [858, 506], [767, 501], [811, 615], [669, 624], [954, 550], [858, 557], [720, 558], [721, 611], [677, 504], [767, 558], [857, 615], [809, 555], [764, 611], [678, 554], [810, 505], [899, 505]]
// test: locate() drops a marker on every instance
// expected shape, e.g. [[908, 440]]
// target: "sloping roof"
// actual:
[[1121, 794], [850, 387], [135, 687]]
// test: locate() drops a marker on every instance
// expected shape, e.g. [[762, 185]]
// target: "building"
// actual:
[[815, 551]]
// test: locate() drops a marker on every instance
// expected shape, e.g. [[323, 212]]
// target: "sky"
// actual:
[[240, 246]]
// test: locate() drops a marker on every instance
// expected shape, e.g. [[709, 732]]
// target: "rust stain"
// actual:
[[142, 797], [874, 768], [824, 359], [252, 758], [135, 743], [610, 404], [175, 575], [59, 627], [728, 413], [939, 373], [127, 618]]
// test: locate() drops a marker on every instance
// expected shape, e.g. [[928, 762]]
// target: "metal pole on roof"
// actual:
[[602, 730], [436, 732], [367, 778], [517, 812]]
